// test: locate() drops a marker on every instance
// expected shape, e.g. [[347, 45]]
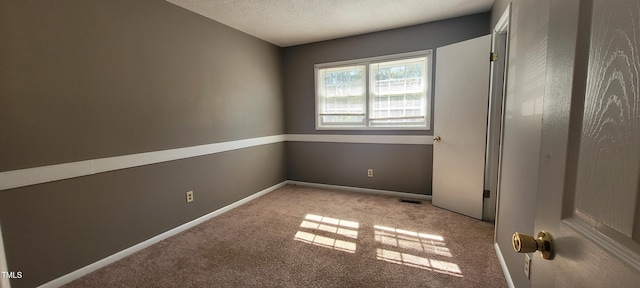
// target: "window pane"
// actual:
[[340, 95], [398, 92], [341, 120], [413, 100], [397, 101]]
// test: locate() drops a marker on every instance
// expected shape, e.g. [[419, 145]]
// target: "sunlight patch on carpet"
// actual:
[[326, 242], [422, 242], [330, 228], [419, 262], [416, 241], [332, 221], [313, 225]]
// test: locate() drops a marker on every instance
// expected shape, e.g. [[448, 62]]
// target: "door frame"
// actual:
[[501, 29], [498, 76]]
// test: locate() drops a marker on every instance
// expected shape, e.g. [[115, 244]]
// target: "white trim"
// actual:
[[121, 162], [133, 249], [503, 264], [363, 190], [365, 61], [37, 175], [372, 128], [43, 174], [503, 23], [504, 26], [601, 239], [4, 282], [366, 139]]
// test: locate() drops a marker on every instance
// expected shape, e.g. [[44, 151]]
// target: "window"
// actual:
[[390, 92]]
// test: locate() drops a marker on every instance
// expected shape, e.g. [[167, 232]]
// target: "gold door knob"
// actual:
[[437, 138], [523, 243]]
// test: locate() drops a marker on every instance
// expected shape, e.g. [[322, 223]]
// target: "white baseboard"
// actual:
[[503, 264], [363, 190], [133, 249]]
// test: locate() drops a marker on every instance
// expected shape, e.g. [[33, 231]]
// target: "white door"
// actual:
[[460, 119], [589, 181]]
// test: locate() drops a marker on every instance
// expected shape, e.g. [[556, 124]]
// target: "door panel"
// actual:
[[460, 119], [608, 160], [590, 161]]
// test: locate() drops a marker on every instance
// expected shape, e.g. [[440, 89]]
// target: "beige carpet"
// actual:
[[308, 237]]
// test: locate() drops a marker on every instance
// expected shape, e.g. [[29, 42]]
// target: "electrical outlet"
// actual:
[[527, 265], [189, 196], [370, 172]]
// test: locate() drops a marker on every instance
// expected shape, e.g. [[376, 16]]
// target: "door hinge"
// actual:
[[486, 194], [493, 56]]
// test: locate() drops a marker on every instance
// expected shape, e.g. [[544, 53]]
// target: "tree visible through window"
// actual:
[[343, 91], [396, 95]]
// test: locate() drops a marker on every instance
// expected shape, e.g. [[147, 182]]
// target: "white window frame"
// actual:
[[367, 62]]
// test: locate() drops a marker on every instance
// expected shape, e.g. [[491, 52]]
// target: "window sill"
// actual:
[[373, 128]]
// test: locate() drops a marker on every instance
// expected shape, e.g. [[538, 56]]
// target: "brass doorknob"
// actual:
[[523, 243], [437, 138]]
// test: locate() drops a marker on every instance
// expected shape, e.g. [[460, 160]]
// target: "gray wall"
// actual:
[[90, 79], [521, 143], [53, 229], [396, 167], [302, 161]]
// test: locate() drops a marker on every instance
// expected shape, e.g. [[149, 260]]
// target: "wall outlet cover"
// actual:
[[527, 265]]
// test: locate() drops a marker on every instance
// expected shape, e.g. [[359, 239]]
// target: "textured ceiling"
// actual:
[[292, 22]]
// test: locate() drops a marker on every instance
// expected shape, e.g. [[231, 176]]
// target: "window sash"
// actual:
[[341, 95], [393, 87]]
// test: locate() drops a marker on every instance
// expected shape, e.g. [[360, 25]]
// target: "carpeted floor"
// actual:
[[299, 236]]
